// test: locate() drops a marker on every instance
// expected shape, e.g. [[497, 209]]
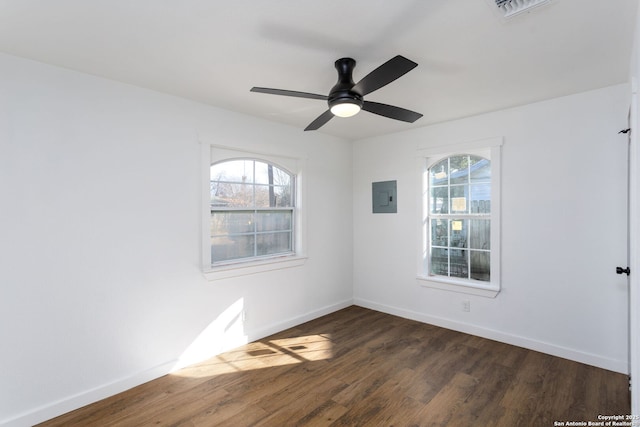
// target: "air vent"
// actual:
[[513, 7]]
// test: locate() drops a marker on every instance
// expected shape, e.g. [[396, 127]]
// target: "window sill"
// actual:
[[253, 267], [489, 291]]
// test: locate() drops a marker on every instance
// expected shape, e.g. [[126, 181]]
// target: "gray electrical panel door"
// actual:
[[384, 196]]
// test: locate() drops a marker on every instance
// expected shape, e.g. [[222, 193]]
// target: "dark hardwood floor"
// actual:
[[359, 367]]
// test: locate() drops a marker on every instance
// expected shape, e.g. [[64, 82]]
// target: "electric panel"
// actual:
[[384, 197]]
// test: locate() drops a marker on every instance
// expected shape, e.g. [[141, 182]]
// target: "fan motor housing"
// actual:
[[341, 92]]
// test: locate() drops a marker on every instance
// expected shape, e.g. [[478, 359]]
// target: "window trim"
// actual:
[[212, 153], [488, 148]]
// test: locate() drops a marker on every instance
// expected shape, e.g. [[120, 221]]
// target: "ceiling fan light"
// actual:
[[345, 109]]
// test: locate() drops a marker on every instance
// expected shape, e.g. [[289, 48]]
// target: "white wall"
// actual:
[[564, 171], [100, 283]]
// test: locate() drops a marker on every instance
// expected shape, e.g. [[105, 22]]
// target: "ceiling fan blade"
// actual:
[[383, 75], [288, 93], [320, 121], [391, 112]]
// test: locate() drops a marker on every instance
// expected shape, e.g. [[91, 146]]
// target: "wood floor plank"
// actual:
[[484, 408], [324, 415], [303, 399], [523, 395], [364, 381], [396, 408], [449, 401], [248, 416], [143, 398], [361, 367]]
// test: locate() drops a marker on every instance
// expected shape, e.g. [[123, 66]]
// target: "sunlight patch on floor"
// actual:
[[263, 354]]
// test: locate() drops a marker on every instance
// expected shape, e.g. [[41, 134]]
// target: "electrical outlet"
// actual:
[[466, 305]]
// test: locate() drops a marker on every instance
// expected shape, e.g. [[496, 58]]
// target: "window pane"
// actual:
[[439, 229], [459, 263], [264, 173], [480, 235], [233, 171], [459, 233], [283, 196], [440, 261], [271, 175], [273, 221], [481, 198], [231, 195], [480, 169], [273, 243], [268, 196], [439, 200], [459, 198], [439, 173], [225, 248], [480, 266], [281, 177], [459, 169], [224, 223], [263, 196]]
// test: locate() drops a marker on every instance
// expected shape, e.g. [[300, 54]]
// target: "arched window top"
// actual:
[[250, 183], [248, 170]]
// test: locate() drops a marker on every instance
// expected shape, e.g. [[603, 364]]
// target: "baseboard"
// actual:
[[295, 321], [62, 406], [620, 366]]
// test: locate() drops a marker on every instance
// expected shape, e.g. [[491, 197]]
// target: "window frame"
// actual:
[[489, 149], [212, 154]]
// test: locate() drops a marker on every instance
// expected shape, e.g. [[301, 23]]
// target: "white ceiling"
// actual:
[[471, 60]]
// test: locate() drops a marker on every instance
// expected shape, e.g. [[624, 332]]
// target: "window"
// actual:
[[460, 247], [251, 215], [460, 217], [252, 210]]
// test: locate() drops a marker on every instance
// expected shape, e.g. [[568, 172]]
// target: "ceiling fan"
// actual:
[[346, 98]]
